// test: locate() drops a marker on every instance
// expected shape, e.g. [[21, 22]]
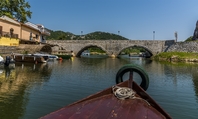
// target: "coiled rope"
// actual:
[[123, 93]]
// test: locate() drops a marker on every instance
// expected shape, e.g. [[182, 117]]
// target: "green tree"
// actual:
[[62, 37], [18, 9], [189, 39]]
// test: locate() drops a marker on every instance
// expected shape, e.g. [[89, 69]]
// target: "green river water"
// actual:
[[31, 90]]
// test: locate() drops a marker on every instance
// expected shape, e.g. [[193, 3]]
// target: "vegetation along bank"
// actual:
[[176, 57]]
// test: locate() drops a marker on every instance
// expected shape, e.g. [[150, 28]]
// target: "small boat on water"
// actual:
[[8, 62], [85, 53], [48, 56], [126, 100], [29, 58]]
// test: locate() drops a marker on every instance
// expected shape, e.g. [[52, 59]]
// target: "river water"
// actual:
[[31, 91]]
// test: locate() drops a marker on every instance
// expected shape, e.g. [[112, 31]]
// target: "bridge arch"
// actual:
[[112, 47], [89, 46], [147, 49]]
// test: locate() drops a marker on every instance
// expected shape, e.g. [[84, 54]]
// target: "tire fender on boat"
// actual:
[[133, 68]]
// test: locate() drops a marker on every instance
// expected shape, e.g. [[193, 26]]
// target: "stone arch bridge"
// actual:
[[112, 47]]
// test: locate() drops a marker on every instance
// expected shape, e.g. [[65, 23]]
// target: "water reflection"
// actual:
[[195, 81], [177, 84], [5, 73], [33, 90], [14, 83], [183, 71]]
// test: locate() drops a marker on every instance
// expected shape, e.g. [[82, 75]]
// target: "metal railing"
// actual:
[[8, 34], [44, 31]]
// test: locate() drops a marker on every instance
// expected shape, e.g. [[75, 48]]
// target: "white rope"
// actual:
[[123, 93]]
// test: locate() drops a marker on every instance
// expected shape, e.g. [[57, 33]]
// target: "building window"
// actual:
[[43, 38], [30, 35], [36, 36]]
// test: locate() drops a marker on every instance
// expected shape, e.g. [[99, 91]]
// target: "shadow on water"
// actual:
[[14, 83]]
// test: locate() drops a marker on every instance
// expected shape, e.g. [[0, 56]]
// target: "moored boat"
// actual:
[[48, 56], [85, 53], [29, 58], [67, 56], [126, 100], [8, 62]]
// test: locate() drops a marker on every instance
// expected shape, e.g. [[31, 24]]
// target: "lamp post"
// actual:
[[81, 34], [175, 36], [153, 35], [118, 32]]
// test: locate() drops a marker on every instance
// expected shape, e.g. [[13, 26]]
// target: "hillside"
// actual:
[[61, 35]]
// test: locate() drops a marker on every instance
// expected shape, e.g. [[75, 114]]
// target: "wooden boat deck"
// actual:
[[105, 105]]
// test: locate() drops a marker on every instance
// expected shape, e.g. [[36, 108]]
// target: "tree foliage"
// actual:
[[189, 39], [136, 50], [60, 35], [104, 36], [18, 9]]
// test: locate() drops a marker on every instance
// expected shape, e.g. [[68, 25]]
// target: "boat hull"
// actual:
[[104, 105]]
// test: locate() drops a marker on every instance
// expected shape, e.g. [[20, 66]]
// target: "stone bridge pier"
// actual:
[[112, 47]]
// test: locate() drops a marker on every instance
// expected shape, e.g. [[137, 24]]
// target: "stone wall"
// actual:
[[7, 50], [24, 48], [183, 47]]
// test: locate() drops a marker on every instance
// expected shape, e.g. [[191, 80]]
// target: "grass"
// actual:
[[180, 56]]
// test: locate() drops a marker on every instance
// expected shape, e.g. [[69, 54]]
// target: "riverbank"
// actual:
[[176, 57]]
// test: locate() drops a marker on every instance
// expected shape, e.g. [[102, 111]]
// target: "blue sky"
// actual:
[[135, 19]]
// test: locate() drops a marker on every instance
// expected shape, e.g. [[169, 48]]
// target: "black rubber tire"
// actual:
[[135, 68]]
